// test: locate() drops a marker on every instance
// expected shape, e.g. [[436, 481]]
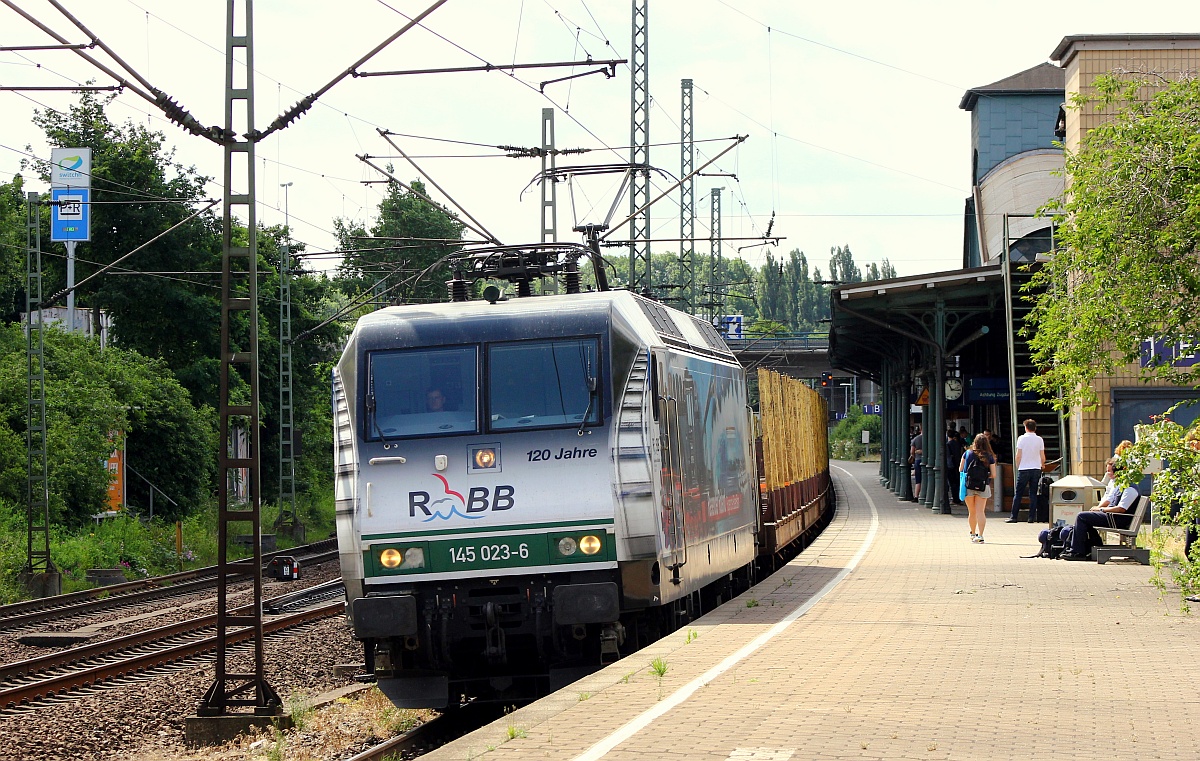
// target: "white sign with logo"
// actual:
[[71, 167]]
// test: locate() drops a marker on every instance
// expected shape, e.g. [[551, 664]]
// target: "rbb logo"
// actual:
[[479, 499]]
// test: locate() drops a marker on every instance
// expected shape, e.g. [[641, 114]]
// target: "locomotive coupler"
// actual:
[[612, 636], [494, 647]]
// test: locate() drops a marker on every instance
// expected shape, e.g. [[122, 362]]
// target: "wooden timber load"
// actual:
[[796, 493]]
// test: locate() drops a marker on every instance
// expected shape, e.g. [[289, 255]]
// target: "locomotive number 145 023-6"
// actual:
[[488, 553]]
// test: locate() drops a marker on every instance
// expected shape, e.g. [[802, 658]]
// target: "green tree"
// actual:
[[91, 398], [842, 268], [139, 192], [761, 327], [12, 248], [884, 271], [773, 297], [401, 257], [1125, 267]]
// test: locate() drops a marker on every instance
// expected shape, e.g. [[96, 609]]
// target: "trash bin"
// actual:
[[1072, 495]]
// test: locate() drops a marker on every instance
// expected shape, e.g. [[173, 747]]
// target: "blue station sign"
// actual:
[[70, 214]]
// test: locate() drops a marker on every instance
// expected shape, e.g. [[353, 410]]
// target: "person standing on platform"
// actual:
[[980, 452], [914, 456], [954, 452], [1029, 457]]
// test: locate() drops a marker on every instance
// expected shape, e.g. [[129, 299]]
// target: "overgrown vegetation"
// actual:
[[845, 441], [138, 548]]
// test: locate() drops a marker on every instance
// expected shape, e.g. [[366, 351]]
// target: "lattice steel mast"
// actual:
[[549, 187], [288, 521], [687, 200], [37, 561], [639, 152], [550, 182], [714, 252], [238, 407]]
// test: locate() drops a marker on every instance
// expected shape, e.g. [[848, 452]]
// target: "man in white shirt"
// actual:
[[1114, 511], [1029, 457]]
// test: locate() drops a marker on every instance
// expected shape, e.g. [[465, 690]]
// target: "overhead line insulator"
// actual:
[[287, 117], [180, 115]]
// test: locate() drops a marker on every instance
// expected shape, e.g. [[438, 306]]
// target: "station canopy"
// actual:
[[882, 322]]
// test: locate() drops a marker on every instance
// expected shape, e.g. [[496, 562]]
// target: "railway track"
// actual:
[[37, 679], [23, 614]]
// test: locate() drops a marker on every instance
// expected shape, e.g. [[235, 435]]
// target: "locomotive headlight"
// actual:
[[391, 558], [590, 545], [485, 458], [567, 546], [400, 559]]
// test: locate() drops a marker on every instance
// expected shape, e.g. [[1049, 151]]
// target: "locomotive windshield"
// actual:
[[543, 384], [422, 392]]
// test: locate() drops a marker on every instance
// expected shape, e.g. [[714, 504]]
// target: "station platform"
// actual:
[[893, 637]]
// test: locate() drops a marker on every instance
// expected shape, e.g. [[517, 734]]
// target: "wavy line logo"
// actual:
[[70, 163], [479, 501]]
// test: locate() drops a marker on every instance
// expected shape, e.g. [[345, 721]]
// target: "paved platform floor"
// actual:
[[894, 637]]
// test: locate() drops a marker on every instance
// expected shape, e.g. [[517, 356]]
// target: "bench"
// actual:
[[1126, 546]]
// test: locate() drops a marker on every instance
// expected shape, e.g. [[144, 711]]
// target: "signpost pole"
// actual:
[[71, 285]]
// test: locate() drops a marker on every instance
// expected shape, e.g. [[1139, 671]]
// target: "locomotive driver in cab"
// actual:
[[435, 400]]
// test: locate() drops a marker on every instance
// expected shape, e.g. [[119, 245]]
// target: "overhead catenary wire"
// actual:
[[739, 140], [64, 292], [413, 21], [366, 160], [746, 193], [442, 190]]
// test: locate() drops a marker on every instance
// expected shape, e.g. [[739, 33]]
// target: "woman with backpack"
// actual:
[[977, 465]]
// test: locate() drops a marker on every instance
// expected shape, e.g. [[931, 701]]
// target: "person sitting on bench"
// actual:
[[1114, 511]]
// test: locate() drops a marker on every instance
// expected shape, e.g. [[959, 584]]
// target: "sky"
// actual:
[[851, 109]]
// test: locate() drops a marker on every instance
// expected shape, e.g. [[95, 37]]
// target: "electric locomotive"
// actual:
[[529, 488]]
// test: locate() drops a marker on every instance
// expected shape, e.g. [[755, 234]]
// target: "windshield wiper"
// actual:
[[591, 384], [375, 418]]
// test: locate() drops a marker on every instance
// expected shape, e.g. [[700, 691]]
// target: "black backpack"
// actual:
[[977, 472], [1054, 541]]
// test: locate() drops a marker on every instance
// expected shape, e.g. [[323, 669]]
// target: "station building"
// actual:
[[946, 347]]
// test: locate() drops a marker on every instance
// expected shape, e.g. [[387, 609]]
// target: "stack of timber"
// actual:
[[793, 452]]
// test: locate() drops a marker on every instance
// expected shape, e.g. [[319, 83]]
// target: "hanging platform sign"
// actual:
[[991, 390]]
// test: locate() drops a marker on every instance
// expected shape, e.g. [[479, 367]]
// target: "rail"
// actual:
[[41, 689], [28, 612]]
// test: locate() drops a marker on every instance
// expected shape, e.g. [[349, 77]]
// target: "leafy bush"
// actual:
[[13, 548], [91, 397], [845, 441]]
